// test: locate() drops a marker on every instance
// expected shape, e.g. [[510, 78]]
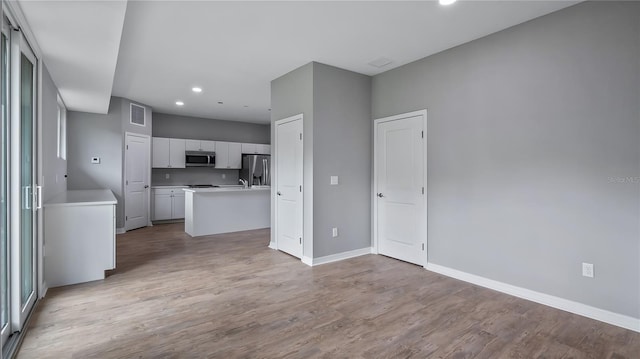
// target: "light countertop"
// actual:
[[227, 189], [169, 186], [87, 197]]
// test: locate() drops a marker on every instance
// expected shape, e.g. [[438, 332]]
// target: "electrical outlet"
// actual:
[[95, 160], [224, 176], [587, 270], [335, 232], [334, 180], [167, 176]]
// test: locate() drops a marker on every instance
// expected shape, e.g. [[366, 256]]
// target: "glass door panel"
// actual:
[[4, 204], [26, 179]]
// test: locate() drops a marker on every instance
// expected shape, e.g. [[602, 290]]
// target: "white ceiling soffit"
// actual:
[[234, 49], [79, 41]]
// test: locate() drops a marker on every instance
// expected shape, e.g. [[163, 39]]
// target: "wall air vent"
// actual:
[[380, 62], [137, 115]]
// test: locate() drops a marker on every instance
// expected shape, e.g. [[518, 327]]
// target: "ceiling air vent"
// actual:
[[137, 115]]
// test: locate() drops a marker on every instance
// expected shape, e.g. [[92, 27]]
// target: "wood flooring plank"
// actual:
[[229, 296]]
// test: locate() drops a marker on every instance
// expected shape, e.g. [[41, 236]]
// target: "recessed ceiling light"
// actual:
[[220, 102], [245, 106], [447, 2], [197, 89], [179, 103]]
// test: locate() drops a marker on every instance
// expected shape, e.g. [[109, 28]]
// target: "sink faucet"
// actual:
[[244, 183]]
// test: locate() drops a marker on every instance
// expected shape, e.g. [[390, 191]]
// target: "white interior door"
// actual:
[[136, 202], [288, 159], [400, 198]]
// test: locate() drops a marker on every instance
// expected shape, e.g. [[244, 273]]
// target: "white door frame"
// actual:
[[274, 179], [374, 209], [126, 153]]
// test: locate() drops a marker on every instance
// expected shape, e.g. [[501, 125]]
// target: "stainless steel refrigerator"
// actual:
[[256, 170]]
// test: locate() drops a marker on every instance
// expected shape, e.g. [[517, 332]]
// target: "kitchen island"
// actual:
[[226, 209]]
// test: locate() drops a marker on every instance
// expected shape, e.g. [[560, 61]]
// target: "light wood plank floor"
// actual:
[[229, 296]]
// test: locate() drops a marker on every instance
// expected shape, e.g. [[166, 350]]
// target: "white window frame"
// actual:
[[62, 129]]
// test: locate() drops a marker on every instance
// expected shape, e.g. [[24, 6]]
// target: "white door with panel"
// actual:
[[400, 187], [289, 177], [136, 196]]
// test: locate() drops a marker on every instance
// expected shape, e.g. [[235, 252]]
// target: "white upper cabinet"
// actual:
[[264, 149], [209, 146], [160, 153], [176, 153], [192, 145], [168, 153], [235, 155], [249, 148], [197, 145], [228, 155], [254, 148]]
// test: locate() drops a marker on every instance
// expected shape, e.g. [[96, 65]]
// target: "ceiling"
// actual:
[[233, 49]]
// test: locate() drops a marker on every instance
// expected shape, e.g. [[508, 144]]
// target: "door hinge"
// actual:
[[422, 134], [300, 137], [126, 218], [423, 246], [127, 146], [126, 182], [422, 190], [300, 240], [300, 188]]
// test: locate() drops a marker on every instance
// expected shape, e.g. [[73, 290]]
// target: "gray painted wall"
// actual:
[[165, 125], [342, 132], [96, 135], [336, 105], [54, 169], [292, 94], [533, 152]]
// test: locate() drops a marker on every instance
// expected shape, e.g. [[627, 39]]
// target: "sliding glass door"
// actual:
[[4, 202], [19, 194], [25, 289]]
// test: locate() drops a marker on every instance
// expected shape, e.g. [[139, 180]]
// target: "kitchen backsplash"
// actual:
[[194, 175]]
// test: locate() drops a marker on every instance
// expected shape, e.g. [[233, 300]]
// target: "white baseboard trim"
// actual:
[[307, 260], [120, 231], [43, 290], [570, 306], [272, 245], [336, 257]]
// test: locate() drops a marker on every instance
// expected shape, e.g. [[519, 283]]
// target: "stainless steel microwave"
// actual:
[[200, 159]]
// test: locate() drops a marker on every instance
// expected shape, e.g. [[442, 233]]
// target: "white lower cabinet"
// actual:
[[177, 205], [168, 203], [80, 235]]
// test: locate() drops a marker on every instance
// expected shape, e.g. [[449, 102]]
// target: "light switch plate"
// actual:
[[95, 160], [334, 180]]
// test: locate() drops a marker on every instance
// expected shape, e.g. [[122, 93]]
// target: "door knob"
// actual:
[[380, 195], [146, 186], [279, 194]]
